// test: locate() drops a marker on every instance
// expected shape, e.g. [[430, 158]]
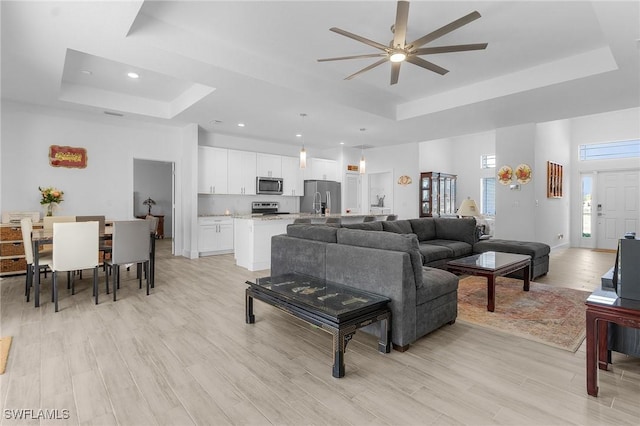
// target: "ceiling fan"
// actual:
[[399, 50]]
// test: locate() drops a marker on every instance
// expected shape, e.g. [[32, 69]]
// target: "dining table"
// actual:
[[41, 237]]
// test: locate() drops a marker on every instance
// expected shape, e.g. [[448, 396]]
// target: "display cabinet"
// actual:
[[437, 194]]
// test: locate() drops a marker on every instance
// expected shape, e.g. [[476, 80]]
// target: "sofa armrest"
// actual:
[[289, 254], [385, 272]]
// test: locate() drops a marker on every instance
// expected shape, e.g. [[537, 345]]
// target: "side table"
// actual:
[[605, 307]]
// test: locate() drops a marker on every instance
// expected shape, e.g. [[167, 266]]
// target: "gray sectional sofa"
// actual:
[[422, 298], [402, 259]]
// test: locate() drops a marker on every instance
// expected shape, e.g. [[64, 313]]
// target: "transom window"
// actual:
[[488, 161], [610, 150]]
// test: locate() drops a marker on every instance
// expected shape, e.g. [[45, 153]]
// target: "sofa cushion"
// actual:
[[369, 226], [397, 226], [459, 248], [456, 229], [533, 249], [435, 283], [313, 232], [424, 228], [386, 241], [432, 253]]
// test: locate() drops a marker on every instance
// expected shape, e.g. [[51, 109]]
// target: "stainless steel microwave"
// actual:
[[269, 185]]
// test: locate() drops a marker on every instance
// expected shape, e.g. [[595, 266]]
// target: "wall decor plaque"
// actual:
[[67, 156], [554, 180]]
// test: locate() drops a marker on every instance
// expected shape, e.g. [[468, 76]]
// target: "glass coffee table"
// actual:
[[335, 308], [492, 264]]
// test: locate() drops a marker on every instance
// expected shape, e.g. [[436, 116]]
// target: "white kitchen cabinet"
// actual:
[[241, 172], [322, 169], [268, 165], [212, 170], [215, 235], [292, 177]]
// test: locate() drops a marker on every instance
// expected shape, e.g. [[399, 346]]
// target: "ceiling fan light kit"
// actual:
[[399, 50]]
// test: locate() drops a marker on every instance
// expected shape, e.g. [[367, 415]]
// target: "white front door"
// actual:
[[617, 207]]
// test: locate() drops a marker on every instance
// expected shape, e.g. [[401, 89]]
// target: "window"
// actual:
[[587, 184], [488, 196], [487, 161], [610, 150]]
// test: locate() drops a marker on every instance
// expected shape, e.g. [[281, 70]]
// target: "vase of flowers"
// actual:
[[50, 197]]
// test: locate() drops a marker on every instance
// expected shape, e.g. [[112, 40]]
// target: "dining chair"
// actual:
[[104, 248], [302, 220], [369, 219], [44, 259], [75, 248], [392, 217], [48, 221], [130, 244], [153, 224]]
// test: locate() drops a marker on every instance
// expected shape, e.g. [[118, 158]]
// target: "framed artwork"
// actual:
[[67, 156], [554, 180]]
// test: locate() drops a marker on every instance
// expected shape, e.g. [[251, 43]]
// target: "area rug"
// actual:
[[547, 314], [5, 344]]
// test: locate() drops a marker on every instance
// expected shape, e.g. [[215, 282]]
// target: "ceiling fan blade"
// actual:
[[400, 27], [447, 49], [370, 55], [426, 64], [359, 38], [446, 29], [365, 69], [395, 72]]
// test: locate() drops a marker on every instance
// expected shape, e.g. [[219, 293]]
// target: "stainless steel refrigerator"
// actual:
[[320, 195]]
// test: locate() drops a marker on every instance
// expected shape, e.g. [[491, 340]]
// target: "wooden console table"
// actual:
[[604, 307]]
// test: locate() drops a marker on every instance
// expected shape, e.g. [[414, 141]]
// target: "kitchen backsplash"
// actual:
[[241, 204]]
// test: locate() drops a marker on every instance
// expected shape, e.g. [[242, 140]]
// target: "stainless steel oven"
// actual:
[[269, 185]]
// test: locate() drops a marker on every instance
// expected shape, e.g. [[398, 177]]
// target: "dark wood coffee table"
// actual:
[[492, 264], [335, 308]]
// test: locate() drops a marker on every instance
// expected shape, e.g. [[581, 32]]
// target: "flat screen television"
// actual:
[[626, 273]]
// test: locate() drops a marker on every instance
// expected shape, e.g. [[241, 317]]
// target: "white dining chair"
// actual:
[[75, 247], [129, 245], [44, 259]]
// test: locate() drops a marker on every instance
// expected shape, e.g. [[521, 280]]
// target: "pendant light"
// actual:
[[362, 162], [303, 152]]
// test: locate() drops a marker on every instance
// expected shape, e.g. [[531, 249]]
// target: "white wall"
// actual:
[[401, 160], [606, 127], [552, 217], [153, 179], [466, 152], [515, 217], [105, 186]]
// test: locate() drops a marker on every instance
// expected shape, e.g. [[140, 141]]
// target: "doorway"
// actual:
[[155, 180], [617, 206], [353, 193], [381, 193]]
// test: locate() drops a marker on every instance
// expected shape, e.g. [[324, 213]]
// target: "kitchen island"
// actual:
[[252, 234]]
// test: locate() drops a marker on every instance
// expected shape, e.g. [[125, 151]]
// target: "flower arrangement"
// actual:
[[51, 195]]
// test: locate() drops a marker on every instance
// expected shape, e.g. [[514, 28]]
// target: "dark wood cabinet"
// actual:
[[437, 194]]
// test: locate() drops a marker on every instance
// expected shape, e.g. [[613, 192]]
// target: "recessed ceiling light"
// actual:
[[240, 124], [86, 72], [215, 121], [133, 75], [298, 135], [341, 143]]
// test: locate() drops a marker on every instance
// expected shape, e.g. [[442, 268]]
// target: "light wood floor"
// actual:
[[184, 355]]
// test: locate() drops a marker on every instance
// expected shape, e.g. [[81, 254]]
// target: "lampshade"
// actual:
[[362, 165], [468, 208]]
